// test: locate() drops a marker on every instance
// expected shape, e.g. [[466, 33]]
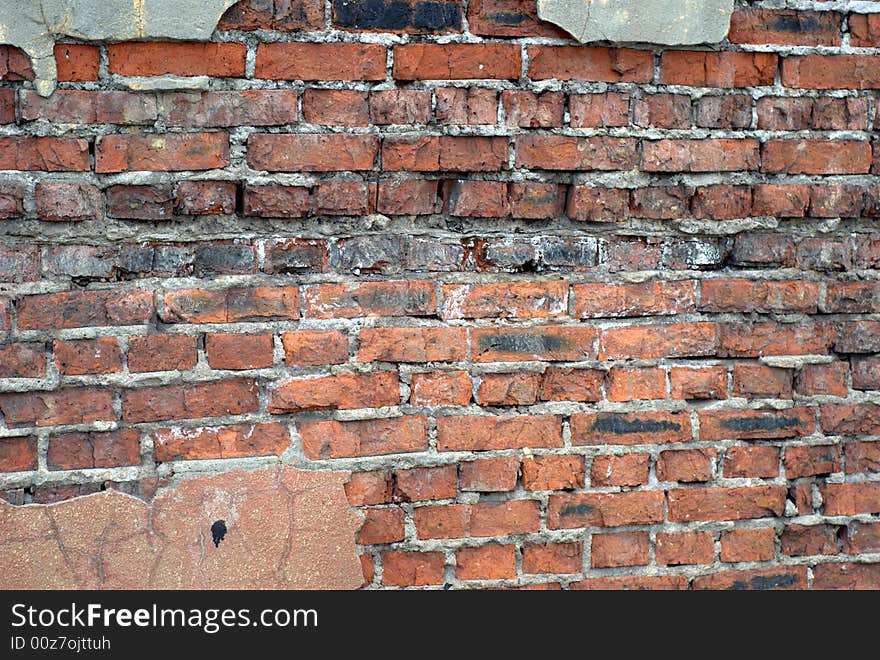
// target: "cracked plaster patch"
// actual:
[[34, 26], [277, 528], [667, 22]]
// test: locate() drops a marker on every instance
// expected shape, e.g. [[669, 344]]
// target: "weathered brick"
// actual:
[[574, 510], [306, 152], [371, 437], [703, 504], [76, 451], [169, 152], [162, 353], [88, 356], [338, 391], [491, 475], [482, 433], [193, 401], [456, 61]]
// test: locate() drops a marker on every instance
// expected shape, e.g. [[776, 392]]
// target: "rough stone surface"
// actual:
[[35, 26], [645, 21], [284, 529]]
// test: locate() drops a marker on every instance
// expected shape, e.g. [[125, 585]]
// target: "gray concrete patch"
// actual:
[[670, 22]]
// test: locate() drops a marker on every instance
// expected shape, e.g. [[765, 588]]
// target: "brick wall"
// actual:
[[575, 316]]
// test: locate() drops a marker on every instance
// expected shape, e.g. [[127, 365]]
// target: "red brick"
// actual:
[[290, 16], [861, 537], [786, 201], [236, 351], [230, 305], [388, 298], [65, 406], [488, 562], [561, 384], [864, 30], [824, 379], [717, 69], [335, 106], [547, 343], [728, 111], [441, 388], [553, 472], [46, 154], [366, 488], [88, 356], [192, 401], [760, 339], [836, 201], [707, 155], [748, 544], [848, 577], [526, 109], [305, 152], [630, 428], [862, 457], [476, 199], [343, 391], [852, 297], [632, 583], [422, 484], [307, 348], [407, 197], [276, 201], [804, 540], [787, 27], [684, 548], [220, 442], [180, 59], [11, 201], [751, 461], [140, 202], [662, 111], [755, 381], [704, 504], [607, 110], [824, 254], [18, 454], [590, 63], [601, 300], [615, 550], [634, 384], [77, 62], [161, 353], [489, 475], [811, 460], [465, 106], [804, 156], [62, 202], [850, 419], [481, 433], [206, 198], [591, 204], [509, 18], [22, 360], [574, 510], [686, 466], [478, 520], [344, 198], [662, 202], [831, 71], [623, 470], [316, 61], [370, 437], [562, 152], [783, 577], [851, 498], [537, 299], [79, 107], [722, 202], [536, 201], [514, 389], [658, 341], [456, 61], [698, 383], [168, 152], [445, 153], [79, 309], [729, 424], [412, 569], [381, 526], [866, 373], [400, 106], [264, 107], [540, 558]]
